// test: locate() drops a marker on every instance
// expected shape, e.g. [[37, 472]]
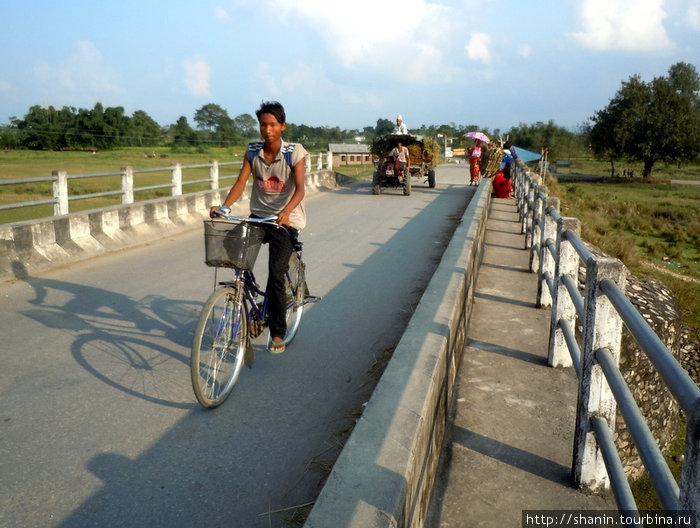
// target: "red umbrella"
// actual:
[[478, 135]]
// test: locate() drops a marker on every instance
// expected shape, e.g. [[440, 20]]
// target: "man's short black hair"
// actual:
[[274, 108]]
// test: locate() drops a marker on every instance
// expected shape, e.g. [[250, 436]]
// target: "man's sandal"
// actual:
[[276, 347]]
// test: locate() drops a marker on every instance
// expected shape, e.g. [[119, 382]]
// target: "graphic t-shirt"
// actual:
[[273, 184]]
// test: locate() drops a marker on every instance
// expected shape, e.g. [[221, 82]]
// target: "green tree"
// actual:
[[650, 122], [384, 126], [210, 116], [215, 121], [246, 125], [182, 133], [144, 131], [559, 142]]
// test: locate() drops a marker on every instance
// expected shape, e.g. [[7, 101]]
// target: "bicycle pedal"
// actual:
[[310, 299]]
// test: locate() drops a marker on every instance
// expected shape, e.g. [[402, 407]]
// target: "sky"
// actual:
[[491, 63]]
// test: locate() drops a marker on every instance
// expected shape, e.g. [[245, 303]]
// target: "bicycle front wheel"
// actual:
[[218, 347]]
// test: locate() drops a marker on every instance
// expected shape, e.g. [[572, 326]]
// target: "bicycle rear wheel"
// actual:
[[218, 347], [295, 289]]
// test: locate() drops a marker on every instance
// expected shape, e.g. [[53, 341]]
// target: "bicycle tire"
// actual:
[[218, 347], [295, 291]]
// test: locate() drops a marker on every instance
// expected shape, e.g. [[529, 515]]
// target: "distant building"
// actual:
[[350, 154]]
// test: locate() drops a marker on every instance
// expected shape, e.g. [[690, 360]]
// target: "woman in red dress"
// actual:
[[474, 158]]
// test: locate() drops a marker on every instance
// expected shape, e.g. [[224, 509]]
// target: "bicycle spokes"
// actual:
[[218, 346]]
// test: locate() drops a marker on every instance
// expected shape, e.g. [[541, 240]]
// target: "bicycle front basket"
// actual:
[[230, 245]]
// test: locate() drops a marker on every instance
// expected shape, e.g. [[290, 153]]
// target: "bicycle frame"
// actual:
[[250, 290]]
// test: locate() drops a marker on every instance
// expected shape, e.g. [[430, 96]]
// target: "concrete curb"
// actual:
[[33, 246], [385, 473]]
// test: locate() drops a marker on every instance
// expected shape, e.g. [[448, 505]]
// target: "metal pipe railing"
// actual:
[[601, 314]]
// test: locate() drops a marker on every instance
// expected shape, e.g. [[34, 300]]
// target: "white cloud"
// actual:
[[525, 50], [221, 14], [197, 76], [407, 40], [83, 72], [623, 25], [694, 16], [479, 47], [309, 81]]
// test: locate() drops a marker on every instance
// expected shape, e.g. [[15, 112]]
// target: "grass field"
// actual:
[[16, 164], [653, 228], [660, 171]]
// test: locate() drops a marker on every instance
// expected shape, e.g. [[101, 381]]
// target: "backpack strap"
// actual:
[[287, 151], [255, 147]]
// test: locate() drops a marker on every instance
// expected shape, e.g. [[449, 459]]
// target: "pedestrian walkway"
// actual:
[[510, 441]]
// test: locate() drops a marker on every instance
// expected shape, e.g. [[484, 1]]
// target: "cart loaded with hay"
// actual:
[[390, 174]]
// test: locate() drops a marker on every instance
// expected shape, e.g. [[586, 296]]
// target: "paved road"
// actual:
[[98, 424]]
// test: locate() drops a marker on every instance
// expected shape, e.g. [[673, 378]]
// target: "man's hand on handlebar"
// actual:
[[283, 219], [215, 210]]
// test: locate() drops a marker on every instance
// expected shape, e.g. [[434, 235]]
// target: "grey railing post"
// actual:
[[563, 308], [525, 205], [127, 185], [329, 160], [307, 163], [517, 187], [689, 498], [602, 328], [530, 217], [60, 192], [536, 228], [214, 175], [547, 260], [524, 187], [176, 178], [319, 164]]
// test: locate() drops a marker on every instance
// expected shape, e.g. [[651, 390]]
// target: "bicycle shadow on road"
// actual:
[[131, 345]]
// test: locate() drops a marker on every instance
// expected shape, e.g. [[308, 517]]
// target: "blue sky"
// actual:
[[492, 63]]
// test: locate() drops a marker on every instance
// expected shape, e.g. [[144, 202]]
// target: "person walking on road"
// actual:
[[475, 162]]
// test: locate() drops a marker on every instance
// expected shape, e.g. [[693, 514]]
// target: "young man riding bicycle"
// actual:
[[278, 170]]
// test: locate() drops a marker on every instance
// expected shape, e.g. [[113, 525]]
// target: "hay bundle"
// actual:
[[427, 152], [431, 150], [491, 158]]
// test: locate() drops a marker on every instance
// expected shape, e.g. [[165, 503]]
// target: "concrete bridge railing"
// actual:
[[62, 197], [556, 253], [33, 246]]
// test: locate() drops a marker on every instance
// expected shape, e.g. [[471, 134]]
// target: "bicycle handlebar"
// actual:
[[224, 213]]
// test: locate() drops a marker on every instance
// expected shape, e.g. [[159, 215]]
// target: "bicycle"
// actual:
[[234, 314]]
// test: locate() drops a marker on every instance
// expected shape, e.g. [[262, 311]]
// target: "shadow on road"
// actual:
[[126, 343]]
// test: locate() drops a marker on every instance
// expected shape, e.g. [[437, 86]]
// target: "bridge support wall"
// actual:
[[386, 470]]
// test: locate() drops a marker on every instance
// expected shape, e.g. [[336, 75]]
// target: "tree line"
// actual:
[[644, 121], [100, 128]]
